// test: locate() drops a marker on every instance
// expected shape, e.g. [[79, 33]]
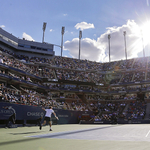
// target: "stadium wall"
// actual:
[[29, 114]]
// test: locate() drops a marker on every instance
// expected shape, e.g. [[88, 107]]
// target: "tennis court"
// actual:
[[77, 137]]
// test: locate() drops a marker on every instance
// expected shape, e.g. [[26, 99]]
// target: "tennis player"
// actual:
[[48, 118], [12, 117]]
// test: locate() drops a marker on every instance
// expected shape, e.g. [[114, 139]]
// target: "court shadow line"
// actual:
[[26, 133], [57, 134]]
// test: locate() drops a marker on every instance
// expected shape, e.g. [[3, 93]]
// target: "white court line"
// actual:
[[147, 133]]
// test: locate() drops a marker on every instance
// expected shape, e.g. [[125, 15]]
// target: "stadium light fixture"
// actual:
[[44, 27], [109, 45], [80, 36], [124, 33], [62, 33]]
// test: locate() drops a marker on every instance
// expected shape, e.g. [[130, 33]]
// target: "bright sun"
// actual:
[[145, 29]]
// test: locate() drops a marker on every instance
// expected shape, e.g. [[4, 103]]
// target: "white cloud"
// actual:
[[88, 50], [84, 25], [117, 41], [98, 50], [2, 26], [65, 14], [27, 37], [51, 30]]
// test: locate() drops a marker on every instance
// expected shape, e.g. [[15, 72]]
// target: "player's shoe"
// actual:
[[40, 127], [50, 130]]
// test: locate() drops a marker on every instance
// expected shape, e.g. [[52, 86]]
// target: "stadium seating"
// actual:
[[60, 81]]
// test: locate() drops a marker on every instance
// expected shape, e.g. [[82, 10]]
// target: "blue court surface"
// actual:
[[76, 137]]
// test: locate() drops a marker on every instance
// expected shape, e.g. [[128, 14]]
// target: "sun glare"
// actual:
[[145, 31]]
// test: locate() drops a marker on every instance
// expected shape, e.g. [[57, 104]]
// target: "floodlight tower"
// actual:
[[80, 36], [109, 45], [143, 44], [44, 27], [62, 33], [124, 33]]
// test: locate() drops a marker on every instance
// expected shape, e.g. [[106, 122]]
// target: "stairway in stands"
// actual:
[[82, 97], [147, 116]]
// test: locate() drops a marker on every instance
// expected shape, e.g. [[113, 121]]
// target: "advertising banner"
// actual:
[[26, 113]]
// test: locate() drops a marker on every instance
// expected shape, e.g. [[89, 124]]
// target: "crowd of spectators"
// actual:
[[78, 70], [93, 97], [139, 76], [108, 110], [63, 68], [24, 96], [127, 77], [126, 64], [140, 63], [136, 110]]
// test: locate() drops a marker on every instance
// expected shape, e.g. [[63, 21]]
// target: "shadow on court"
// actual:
[[26, 133], [48, 135], [57, 134]]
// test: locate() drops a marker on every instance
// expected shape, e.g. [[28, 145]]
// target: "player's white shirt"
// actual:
[[49, 112]]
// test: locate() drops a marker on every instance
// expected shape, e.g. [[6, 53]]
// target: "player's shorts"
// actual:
[[47, 118]]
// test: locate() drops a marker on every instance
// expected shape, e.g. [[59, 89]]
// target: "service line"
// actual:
[[147, 133]]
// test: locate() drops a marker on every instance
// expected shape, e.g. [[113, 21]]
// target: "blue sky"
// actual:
[[96, 19]]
